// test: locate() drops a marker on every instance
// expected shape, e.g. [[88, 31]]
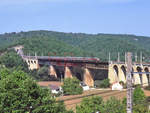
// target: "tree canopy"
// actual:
[[20, 94], [71, 86], [76, 44]]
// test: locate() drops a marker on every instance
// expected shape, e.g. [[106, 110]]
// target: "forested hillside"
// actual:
[[76, 44]]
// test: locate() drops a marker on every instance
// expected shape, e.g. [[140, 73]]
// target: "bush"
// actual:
[[121, 83], [96, 103], [90, 105], [71, 86], [138, 95], [140, 103], [104, 84], [113, 105]]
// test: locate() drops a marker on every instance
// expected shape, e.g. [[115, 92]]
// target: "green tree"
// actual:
[[12, 60], [71, 86], [90, 105], [114, 105], [138, 95], [96, 103], [20, 94], [139, 101]]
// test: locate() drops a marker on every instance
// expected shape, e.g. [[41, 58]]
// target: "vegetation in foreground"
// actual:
[[113, 105], [20, 94]]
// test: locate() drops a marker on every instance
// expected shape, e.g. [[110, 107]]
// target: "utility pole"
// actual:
[[141, 58], [118, 57], [125, 58], [135, 57], [109, 57], [129, 82]]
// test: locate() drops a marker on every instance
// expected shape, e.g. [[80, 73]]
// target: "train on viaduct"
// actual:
[[87, 69]]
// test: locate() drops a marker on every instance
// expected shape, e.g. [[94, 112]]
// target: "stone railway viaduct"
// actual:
[[115, 71], [87, 69]]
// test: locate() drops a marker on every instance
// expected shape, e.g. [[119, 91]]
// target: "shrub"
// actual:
[[96, 103], [121, 83], [104, 84], [138, 95], [113, 105], [71, 86], [90, 105]]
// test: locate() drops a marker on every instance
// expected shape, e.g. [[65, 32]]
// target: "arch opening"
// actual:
[[140, 75], [79, 76], [147, 75], [116, 70], [124, 71]]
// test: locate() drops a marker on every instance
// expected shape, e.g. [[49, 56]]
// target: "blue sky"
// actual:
[[87, 16]]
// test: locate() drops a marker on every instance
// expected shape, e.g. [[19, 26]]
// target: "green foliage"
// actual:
[[12, 60], [20, 94], [114, 105], [104, 83], [138, 95], [90, 105], [140, 104], [78, 44], [71, 86], [95, 103]]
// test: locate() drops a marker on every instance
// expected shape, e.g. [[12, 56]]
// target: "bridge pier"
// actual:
[[68, 73], [88, 79], [52, 71], [136, 76]]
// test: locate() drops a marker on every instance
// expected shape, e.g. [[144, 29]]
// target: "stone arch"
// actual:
[[124, 70], [147, 75], [116, 70], [139, 69]]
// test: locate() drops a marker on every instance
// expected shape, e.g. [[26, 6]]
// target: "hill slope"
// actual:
[[77, 44]]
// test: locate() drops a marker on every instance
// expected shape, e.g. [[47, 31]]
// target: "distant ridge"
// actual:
[[77, 44]]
